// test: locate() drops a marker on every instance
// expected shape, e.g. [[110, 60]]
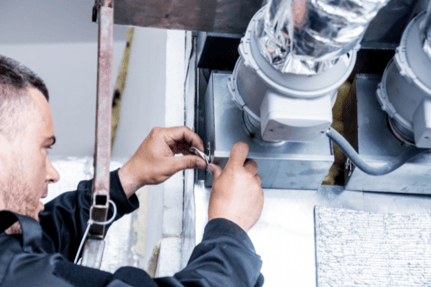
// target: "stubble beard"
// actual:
[[16, 196]]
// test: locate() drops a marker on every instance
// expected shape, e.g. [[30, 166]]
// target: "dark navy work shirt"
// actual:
[[43, 254]]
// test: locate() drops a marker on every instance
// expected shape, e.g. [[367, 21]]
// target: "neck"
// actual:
[[14, 228]]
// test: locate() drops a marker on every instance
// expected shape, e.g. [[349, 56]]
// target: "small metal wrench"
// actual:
[[201, 154]]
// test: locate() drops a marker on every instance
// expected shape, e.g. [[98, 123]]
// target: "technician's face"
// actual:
[[27, 169]]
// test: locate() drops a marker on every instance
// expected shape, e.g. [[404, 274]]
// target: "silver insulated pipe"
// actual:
[[426, 29], [308, 36]]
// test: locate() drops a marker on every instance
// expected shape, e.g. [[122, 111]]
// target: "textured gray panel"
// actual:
[[356, 248], [224, 16]]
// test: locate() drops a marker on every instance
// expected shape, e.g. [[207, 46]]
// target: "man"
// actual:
[[38, 243]]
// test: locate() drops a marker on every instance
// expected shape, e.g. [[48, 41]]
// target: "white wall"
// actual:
[[154, 96], [142, 108], [58, 41]]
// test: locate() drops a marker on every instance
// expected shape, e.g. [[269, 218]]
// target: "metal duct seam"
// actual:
[[323, 30]]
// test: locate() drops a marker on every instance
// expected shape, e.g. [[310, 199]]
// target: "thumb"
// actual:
[[215, 170], [238, 155], [187, 162]]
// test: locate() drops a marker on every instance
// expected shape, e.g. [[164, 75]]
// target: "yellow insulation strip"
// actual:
[[121, 84], [154, 260], [338, 124]]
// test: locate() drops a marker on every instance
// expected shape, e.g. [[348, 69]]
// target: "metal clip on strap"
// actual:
[[90, 223], [201, 154]]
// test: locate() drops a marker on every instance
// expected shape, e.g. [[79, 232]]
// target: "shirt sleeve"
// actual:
[[65, 218], [225, 257]]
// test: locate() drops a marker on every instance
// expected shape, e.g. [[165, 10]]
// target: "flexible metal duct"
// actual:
[[322, 30], [427, 32]]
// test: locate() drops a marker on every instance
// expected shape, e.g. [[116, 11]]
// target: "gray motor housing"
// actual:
[[288, 107], [405, 90]]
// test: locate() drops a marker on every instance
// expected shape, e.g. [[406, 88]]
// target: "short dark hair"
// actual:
[[18, 76], [14, 81]]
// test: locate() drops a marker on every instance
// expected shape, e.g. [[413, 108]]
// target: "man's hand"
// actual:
[[236, 194], [155, 161]]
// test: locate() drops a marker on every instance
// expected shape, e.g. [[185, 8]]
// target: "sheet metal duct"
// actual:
[[405, 90], [284, 106], [385, 30], [377, 145], [281, 165]]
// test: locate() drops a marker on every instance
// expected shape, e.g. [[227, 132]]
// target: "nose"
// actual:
[[52, 175]]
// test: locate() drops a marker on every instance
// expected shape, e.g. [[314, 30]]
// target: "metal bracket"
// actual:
[[94, 15], [93, 249], [97, 5], [93, 253]]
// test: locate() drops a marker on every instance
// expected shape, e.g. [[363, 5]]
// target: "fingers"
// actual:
[[251, 166], [178, 134], [215, 170], [238, 155], [186, 162]]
